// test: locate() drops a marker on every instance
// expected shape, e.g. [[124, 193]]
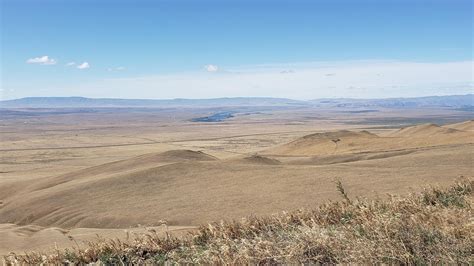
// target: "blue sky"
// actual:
[[200, 49]]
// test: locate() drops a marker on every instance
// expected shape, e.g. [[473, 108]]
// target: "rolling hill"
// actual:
[[187, 187], [464, 126], [459, 101]]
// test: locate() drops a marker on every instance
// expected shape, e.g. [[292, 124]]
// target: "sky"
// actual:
[[297, 49]]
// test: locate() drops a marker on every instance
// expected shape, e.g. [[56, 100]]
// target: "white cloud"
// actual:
[[211, 68], [71, 64], [357, 79], [43, 60], [84, 65], [120, 68]]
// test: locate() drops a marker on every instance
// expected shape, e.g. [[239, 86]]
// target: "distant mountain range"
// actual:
[[51, 102], [429, 101], [82, 102]]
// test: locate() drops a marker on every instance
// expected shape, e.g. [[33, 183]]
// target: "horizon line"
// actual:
[[237, 97]]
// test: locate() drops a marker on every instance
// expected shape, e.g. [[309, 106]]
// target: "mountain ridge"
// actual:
[[466, 100]]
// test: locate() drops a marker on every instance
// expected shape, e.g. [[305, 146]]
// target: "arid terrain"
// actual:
[[67, 175]]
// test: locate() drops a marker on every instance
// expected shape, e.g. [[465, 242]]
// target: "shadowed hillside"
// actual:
[[257, 159]]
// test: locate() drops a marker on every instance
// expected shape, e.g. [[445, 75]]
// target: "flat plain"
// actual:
[[67, 175]]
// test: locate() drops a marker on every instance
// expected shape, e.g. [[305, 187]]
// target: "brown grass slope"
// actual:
[[190, 193], [189, 188], [256, 159], [351, 142], [134, 164], [348, 157], [324, 143], [424, 130], [464, 126], [434, 226], [20, 239]]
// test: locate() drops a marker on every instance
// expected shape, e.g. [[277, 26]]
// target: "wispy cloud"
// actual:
[[71, 64], [359, 79], [120, 68], [84, 65], [42, 60], [211, 68]]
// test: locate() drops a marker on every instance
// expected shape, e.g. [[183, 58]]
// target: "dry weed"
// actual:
[[434, 226]]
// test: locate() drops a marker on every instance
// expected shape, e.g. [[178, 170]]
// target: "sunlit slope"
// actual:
[[344, 142], [141, 162], [191, 187], [464, 126], [325, 143], [424, 130]]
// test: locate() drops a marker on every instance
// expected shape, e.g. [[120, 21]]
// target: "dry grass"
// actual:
[[434, 226]]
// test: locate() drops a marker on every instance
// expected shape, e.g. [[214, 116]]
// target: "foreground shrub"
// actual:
[[433, 226]]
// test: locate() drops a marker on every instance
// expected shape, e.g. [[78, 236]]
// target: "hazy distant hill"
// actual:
[[82, 102], [50, 102], [444, 101]]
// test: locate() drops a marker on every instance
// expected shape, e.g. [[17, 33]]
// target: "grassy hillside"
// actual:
[[143, 189], [432, 226]]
